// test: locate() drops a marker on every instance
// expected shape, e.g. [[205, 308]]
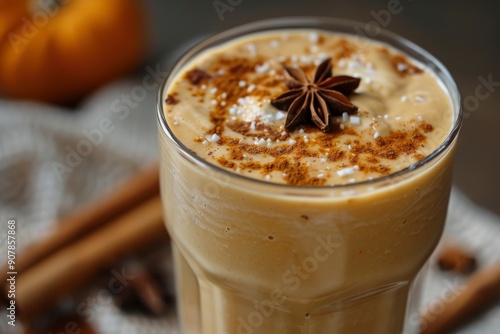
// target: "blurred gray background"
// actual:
[[463, 34]]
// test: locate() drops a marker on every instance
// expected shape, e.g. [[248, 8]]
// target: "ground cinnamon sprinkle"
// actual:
[[344, 49], [287, 159], [401, 64], [252, 165], [245, 129], [229, 72], [226, 163], [197, 76], [295, 173], [299, 176], [418, 156], [368, 156], [426, 127], [171, 99], [336, 155], [380, 169], [226, 80]]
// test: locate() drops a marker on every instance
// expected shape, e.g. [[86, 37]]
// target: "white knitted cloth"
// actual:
[[35, 188]]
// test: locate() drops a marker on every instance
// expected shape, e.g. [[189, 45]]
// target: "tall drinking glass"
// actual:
[[259, 257]]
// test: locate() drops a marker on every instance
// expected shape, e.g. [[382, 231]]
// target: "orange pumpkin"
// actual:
[[60, 54]]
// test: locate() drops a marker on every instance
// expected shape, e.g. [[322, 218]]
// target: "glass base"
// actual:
[[384, 310]]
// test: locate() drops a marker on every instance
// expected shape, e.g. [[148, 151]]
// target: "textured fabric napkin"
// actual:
[[42, 178]]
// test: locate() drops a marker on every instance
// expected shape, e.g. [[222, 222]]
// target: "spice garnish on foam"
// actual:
[[282, 115], [316, 101]]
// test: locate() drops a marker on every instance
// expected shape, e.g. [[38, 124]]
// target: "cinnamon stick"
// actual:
[[481, 290], [132, 192], [42, 285]]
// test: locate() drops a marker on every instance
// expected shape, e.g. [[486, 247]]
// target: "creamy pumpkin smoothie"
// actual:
[[305, 179]]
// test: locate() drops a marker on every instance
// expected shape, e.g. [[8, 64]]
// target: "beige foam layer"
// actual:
[[391, 99]]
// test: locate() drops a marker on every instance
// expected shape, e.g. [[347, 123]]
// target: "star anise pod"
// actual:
[[326, 95]]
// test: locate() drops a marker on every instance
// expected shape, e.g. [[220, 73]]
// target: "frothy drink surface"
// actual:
[[301, 260], [220, 108]]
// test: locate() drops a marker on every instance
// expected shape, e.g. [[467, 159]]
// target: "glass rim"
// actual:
[[293, 22]]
